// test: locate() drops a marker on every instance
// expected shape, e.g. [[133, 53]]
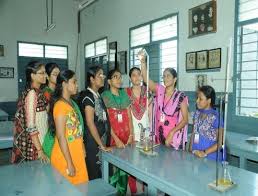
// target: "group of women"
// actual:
[[51, 126]]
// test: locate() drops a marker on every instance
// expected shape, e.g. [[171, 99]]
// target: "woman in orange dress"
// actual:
[[68, 155]]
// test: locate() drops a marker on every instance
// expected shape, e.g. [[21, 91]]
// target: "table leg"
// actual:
[[152, 190], [105, 170], [242, 162]]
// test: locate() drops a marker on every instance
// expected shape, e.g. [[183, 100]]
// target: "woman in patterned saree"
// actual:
[[171, 108], [31, 117], [97, 126], [138, 96], [65, 119]]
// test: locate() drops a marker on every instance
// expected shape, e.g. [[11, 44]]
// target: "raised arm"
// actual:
[[142, 58]]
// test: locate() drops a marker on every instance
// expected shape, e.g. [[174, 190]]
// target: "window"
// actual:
[[96, 48], [140, 36], [164, 29], [58, 52], [168, 54], [159, 38], [101, 47], [90, 50], [42, 50], [246, 87], [31, 50]]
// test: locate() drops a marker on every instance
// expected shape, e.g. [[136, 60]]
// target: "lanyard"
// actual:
[[118, 105], [93, 92], [97, 96], [164, 107]]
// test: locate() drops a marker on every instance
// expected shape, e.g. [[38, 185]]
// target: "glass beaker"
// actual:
[[225, 178], [146, 144]]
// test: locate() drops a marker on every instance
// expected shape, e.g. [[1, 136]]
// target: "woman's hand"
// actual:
[[106, 149], [42, 157], [130, 139], [200, 153], [71, 170], [119, 143], [142, 56], [169, 138]]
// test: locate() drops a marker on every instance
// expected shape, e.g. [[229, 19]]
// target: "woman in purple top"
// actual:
[[171, 108], [206, 126]]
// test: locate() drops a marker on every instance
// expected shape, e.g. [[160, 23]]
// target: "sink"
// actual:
[[252, 140]]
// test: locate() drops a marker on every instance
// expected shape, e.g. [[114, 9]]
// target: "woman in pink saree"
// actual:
[[171, 108]]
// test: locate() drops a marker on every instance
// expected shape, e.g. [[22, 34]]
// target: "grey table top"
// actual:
[[180, 172], [3, 114], [238, 141], [33, 178]]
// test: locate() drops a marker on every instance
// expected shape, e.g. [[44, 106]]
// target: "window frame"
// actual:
[[94, 42], [151, 22], [238, 122], [43, 44]]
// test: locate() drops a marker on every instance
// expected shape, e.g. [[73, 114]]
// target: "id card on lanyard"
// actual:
[[162, 117], [119, 117], [196, 132], [196, 138], [104, 115]]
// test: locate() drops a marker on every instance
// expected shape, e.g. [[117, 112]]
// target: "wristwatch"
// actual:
[[205, 153]]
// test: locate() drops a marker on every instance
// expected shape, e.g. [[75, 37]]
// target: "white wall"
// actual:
[[113, 18], [25, 20]]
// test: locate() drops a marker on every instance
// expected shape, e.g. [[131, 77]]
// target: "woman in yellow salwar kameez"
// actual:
[[68, 155]]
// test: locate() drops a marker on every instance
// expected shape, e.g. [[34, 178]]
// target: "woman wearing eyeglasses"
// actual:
[[117, 103], [171, 108], [52, 70], [31, 119], [97, 126], [119, 112]]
